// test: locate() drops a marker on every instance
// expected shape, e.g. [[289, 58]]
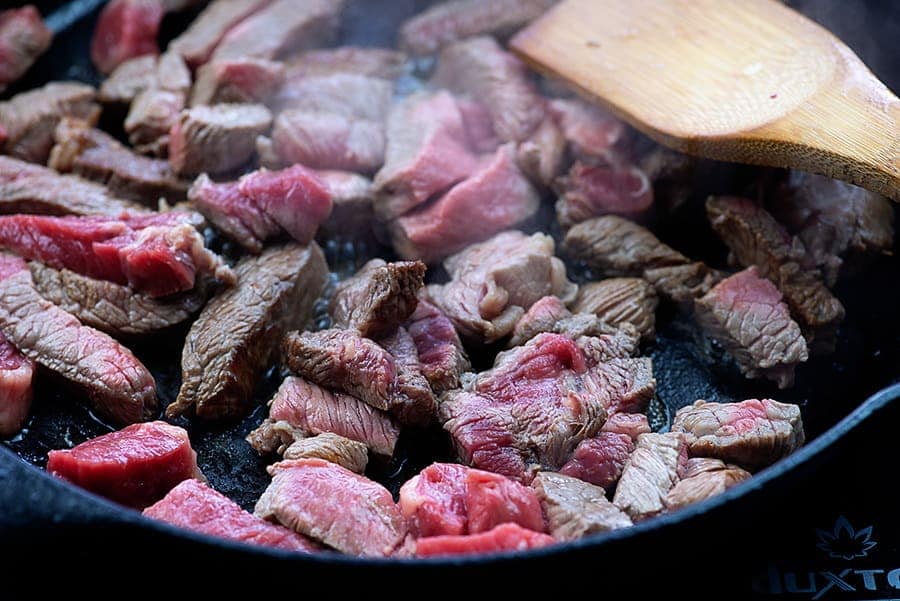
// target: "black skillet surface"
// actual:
[[867, 359]]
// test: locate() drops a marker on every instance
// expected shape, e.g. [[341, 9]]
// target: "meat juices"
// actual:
[[16, 373], [23, 38]]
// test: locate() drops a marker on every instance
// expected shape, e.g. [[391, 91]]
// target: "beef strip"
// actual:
[[237, 80], [574, 508], [442, 358], [216, 139], [592, 134], [29, 119], [331, 504], [197, 42], [230, 345], [154, 110], [16, 371], [113, 308], [745, 314], [29, 188], [480, 68], [711, 481], [505, 537], [493, 283], [752, 433], [95, 155], [385, 63], [352, 213], [23, 38], [125, 29], [332, 448], [600, 459], [587, 192], [650, 473], [755, 238], [349, 95], [380, 297], [620, 300], [496, 197], [120, 388], [128, 80], [541, 157]]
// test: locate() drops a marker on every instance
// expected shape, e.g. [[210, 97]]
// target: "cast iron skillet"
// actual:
[[36, 509]]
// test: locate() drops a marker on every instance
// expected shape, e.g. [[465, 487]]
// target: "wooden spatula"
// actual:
[[741, 80]]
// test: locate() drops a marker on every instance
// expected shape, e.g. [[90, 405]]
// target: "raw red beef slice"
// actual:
[[331, 504], [195, 506], [601, 459], [126, 29], [496, 197], [588, 192], [16, 372], [506, 537], [135, 466], [442, 358], [199, 40], [157, 254], [23, 38]]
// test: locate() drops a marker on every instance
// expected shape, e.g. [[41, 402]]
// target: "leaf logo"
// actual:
[[844, 542]]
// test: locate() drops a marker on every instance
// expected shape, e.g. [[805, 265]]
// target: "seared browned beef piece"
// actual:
[[129, 79], [301, 408], [713, 478], [426, 153], [755, 238], [575, 508], [120, 388], [454, 20], [29, 119], [591, 133], [349, 95], [155, 109], [587, 192], [282, 27], [126, 29], [746, 315], [620, 300], [753, 433], [650, 473], [551, 315], [95, 155], [378, 298], [16, 371], [199, 40], [417, 404], [344, 360], [682, 284], [503, 538], [113, 308], [331, 504], [216, 139], [833, 219], [600, 459], [493, 283], [230, 345], [23, 38], [264, 204], [442, 358], [332, 448], [496, 197], [602, 348], [29, 188], [352, 214], [480, 68], [385, 63], [237, 80]]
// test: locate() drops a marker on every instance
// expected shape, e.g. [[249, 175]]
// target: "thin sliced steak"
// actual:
[[230, 345], [155, 109], [350, 95], [588, 192], [352, 213], [496, 197], [16, 372], [195, 506], [197, 42], [135, 466], [120, 388], [128, 80], [600, 459], [385, 63], [493, 283], [650, 473], [746, 315], [237, 80], [333, 505], [620, 300], [442, 358], [378, 298], [709, 482], [541, 157], [23, 38], [454, 20], [592, 134], [124, 30], [29, 119], [332, 448], [216, 139], [113, 308], [753, 433], [506, 537], [480, 68], [574, 508]]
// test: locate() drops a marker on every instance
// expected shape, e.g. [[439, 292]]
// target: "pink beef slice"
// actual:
[[496, 197], [349, 95], [542, 316], [135, 466], [331, 504], [493, 283], [265, 204], [650, 473], [352, 214], [480, 68], [630, 424], [128, 80], [745, 313], [195, 506], [575, 508], [600, 460], [426, 153], [156, 108], [158, 254], [199, 40], [506, 537], [454, 20], [120, 388], [592, 134], [282, 27], [16, 372], [446, 498], [442, 357], [237, 80], [753, 433], [712, 477], [588, 192], [385, 63], [479, 125], [124, 30], [23, 38]]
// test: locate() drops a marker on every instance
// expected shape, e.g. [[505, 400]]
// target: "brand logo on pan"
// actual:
[[843, 542]]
